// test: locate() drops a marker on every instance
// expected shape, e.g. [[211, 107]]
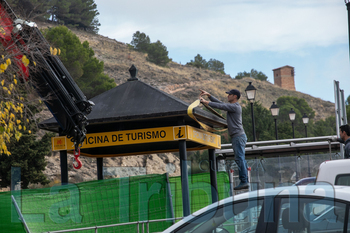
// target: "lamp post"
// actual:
[[250, 92], [306, 121], [275, 111], [292, 118]]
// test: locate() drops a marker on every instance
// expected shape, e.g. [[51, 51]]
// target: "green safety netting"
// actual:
[[199, 190], [105, 202]]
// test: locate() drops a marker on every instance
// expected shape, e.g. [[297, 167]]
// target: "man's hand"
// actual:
[[203, 93], [334, 139], [203, 101]]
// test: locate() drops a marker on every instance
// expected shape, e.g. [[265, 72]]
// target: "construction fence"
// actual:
[[106, 202], [141, 198]]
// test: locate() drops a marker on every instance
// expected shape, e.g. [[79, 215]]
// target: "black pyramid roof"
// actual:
[[137, 101]]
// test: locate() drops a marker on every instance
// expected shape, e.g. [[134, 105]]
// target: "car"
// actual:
[[335, 172], [306, 208], [285, 184], [306, 181]]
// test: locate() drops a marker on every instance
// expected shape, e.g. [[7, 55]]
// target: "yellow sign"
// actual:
[[59, 143], [180, 132], [203, 137], [140, 136]]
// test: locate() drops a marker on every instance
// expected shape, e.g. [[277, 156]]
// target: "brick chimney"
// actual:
[[284, 77]]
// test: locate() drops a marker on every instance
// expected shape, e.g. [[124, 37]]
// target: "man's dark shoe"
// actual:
[[242, 186]]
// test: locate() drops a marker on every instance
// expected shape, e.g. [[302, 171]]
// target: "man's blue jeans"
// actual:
[[238, 145]]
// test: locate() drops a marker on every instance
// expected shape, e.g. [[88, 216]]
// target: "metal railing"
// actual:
[[21, 218], [324, 143], [119, 224]]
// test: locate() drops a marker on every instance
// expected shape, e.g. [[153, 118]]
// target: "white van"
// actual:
[[335, 172]]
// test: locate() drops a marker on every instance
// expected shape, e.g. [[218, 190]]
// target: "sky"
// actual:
[[310, 35]]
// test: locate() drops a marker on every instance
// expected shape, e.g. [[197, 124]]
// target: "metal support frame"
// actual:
[[308, 165], [99, 162], [230, 178], [279, 167], [64, 167], [296, 168], [138, 223], [184, 179], [342, 100], [340, 110], [213, 177], [170, 196], [63, 163], [337, 106], [257, 174]]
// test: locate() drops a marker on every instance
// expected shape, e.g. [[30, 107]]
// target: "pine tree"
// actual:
[[79, 60], [60, 12], [89, 20], [73, 54], [216, 65], [28, 154], [94, 81], [140, 41], [79, 13], [32, 9], [198, 62], [253, 73], [158, 54]]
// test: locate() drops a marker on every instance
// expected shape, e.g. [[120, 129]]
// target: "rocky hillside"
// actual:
[[113, 167], [179, 80], [183, 81]]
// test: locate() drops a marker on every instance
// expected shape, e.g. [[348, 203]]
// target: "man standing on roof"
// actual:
[[235, 130], [345, 138]]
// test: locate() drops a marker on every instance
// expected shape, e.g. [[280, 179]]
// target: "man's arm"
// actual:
[[219, 105], [336, 139], [213, 99], [205, 93], [223, 106]]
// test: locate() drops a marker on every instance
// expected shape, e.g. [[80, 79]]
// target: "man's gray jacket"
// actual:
[[234, 116], [347, 147]]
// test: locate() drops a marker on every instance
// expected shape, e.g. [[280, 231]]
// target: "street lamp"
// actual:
[[275, 111], [305, 121], [292, 118], [250, 92]]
